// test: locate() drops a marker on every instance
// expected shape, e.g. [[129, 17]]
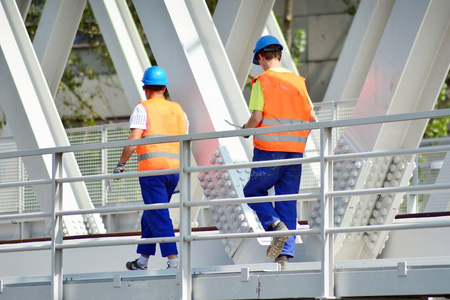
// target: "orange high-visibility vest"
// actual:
[[164, 118], [285, 102]]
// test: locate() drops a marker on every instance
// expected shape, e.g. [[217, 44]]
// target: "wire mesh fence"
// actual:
[[19, 199]]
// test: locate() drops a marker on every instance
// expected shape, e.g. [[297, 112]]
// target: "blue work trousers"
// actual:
[[157, 223], [286, 180]]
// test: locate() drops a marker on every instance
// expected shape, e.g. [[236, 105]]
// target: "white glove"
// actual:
[[119, 168]]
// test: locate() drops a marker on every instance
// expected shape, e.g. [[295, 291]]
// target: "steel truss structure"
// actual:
[[394, 61]]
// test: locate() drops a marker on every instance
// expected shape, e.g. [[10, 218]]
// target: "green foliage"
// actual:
[[352, 6], [72, 95], [298, 45], [33, 17], [438, 128], [78, 102], [211, 5]]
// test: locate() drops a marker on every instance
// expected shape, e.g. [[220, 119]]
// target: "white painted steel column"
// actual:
[[33, 118], [191, 54], [355, 58], [359, 49], [179, 49], [54, 38], [24, 6], [185, 221], [220, 65], [57, 230], [240, 24], [406, 75], [124, 45]]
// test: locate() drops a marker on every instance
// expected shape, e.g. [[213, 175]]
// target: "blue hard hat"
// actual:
[[262, 43], [154, 76]]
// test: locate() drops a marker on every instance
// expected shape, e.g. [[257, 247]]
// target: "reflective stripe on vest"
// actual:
[[275, 122], [158, 154], [153, 136], [281, 138], [286, 102]]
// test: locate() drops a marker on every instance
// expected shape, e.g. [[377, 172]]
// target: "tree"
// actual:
[[438, 128]]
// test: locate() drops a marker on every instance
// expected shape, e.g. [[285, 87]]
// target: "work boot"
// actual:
[[282, 260], [135, 265], [276, 246]]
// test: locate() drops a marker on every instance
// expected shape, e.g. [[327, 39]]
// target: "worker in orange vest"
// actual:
[[278, 97], [155, 117]]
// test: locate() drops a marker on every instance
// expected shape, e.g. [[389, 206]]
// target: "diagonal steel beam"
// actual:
[[33, 118], [406, 74], [124, 45], [54, 38], [185, 43], [179, 47], [359, 50], [24, 6], [240, 24]]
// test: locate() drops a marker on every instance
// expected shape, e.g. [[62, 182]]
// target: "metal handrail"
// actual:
[[233, 133], [186, 237]]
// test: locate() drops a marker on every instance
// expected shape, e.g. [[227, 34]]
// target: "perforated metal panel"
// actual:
[[104, 161], [325, 111], [14, 199], [8, 173], [428, 168]]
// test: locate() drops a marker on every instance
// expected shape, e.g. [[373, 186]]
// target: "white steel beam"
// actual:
[[201, 79], [124, 45], [240, 24], [179, 49], [33, 118], [406, 75], [359, 49], [354, 62], [24, 6], [54, 38], [223, 72]]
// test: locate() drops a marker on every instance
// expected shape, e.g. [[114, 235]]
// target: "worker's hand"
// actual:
[[119, 168], [245, 136]]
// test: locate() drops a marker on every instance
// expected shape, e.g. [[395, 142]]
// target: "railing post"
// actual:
[[327, 258], [412, 199], [57, 230], [185, 221], [104, 139]]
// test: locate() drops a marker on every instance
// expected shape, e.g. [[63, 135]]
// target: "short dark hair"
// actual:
[[153, 87], [270, 52]]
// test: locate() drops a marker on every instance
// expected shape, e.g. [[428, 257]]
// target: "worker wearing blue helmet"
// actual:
[[155, 117], [278, 97], [266, 43]]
